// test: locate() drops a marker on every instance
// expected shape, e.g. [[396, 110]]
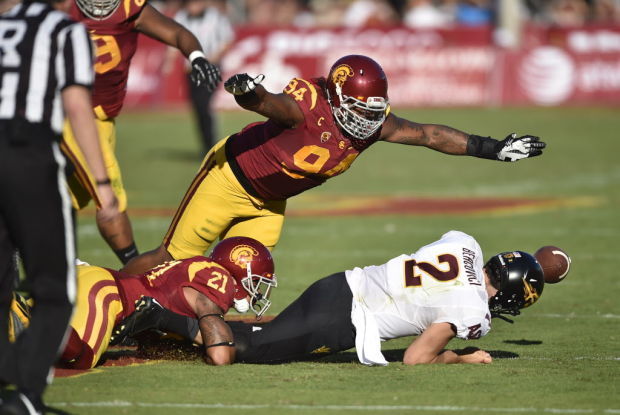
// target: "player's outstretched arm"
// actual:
[[158, 26], [429, 348], [217, 338], [252, 96], [452, 141]]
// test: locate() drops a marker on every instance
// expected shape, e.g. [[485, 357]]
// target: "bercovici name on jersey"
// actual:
[[469, 258]]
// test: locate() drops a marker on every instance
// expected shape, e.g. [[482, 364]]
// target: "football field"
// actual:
[[561, 356]]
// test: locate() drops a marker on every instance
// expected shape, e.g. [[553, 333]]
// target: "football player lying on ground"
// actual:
[[440, 292], [240, 271], [314, 131]]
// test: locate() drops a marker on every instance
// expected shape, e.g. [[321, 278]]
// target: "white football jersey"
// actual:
[[441, 282]]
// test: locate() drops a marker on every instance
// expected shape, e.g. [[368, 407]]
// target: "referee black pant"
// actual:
[[35, 219], [201, 104], [318, 323]]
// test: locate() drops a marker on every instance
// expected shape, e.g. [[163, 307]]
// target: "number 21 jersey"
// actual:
[[165, 283]]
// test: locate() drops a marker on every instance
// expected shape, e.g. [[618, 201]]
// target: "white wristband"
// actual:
[[196, 54]]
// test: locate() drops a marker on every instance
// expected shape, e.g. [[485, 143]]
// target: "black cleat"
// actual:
[[147, 316]]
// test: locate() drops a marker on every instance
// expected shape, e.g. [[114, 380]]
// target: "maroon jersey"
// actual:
[[165, 283], [281, 162], [115, 41]]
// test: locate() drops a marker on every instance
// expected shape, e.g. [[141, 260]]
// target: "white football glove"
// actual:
[[513, 148], [242, 83]]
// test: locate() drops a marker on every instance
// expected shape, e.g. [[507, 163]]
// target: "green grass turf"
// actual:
[[560, 356]]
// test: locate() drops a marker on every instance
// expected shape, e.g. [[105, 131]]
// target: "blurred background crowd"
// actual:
[[410, 13]]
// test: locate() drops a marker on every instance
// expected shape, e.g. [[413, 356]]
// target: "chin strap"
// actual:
[[502, 317]]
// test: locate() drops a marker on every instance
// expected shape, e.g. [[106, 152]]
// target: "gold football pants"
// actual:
[[97, 309], [81, 182], [216, 205]]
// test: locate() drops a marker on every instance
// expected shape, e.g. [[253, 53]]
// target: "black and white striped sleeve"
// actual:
[[78, 57]]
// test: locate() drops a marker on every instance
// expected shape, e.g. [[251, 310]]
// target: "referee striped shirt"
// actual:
[[42, 51]]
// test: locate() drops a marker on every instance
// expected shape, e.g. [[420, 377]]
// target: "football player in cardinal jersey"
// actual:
[[114, 27], [239, 273], [314, 130]]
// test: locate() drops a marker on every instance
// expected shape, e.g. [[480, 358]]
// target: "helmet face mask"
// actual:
[[519, 280], [259, 289], [357, 93], [251, 265], [98, 9]]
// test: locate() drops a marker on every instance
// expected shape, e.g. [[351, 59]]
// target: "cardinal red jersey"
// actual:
[[281, 162], [115, 41], [165, 283]]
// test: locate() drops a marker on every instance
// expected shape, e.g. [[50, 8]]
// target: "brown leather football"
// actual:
[[555, 263]]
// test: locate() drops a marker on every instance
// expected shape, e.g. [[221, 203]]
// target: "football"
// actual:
[[555, 263]]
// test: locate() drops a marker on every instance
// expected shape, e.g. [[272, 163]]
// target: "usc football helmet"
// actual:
[[97, 9], [357, 93], [251, 265], [519, 280]]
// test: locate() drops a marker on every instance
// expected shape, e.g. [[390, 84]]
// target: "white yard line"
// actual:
[[568, 316], [375, 408]]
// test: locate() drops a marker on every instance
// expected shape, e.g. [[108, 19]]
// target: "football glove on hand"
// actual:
[[205, 74], [512, 148], [146, 316], [242, 83]]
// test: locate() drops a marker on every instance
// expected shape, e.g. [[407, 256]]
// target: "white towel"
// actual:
[[367, 340]]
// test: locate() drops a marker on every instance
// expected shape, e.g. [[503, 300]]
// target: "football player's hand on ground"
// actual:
[[514, 148], [205, 74], [477, 356], [242, 83]]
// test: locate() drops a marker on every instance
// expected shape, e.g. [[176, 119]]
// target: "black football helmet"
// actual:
[[519, 280]]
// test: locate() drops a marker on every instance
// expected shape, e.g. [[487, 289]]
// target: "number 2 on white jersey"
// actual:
[[414, 279]]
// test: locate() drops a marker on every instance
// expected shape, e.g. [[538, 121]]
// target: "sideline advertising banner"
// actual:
[[429, 68]]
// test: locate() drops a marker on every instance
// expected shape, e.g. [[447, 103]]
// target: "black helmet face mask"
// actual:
[[519, 280]]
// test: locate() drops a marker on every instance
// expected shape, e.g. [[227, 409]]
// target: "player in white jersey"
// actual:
[[440, 292], [440, 283]]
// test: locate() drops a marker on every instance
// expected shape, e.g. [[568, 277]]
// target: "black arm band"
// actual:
[[229, 344], [211, 315], [483, 147]]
